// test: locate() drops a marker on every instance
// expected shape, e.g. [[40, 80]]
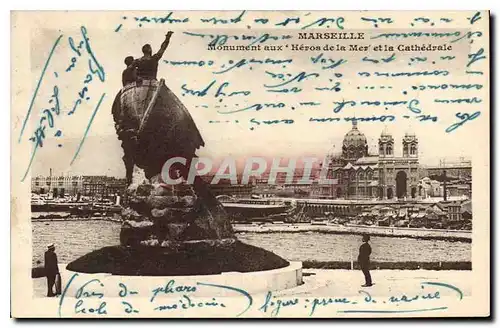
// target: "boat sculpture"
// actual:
[[168, 229]]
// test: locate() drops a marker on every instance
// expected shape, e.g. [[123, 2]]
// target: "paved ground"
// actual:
[[323, 294], [330, 282], [387, 282]]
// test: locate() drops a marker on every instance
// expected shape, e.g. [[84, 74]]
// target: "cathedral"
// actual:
[[360, 175]]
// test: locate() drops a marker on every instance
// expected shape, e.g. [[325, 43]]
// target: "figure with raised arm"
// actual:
[[147, 65], [154, 127], [165, 223]]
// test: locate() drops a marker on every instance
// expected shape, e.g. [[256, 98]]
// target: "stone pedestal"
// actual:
[[253, 282], [160, 215], [172, 231]]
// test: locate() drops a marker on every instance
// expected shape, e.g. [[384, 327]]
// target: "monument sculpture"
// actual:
[[166, 229]]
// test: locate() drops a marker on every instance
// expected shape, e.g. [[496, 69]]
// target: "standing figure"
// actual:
[[127, 118], [147, 65], [129, 74], [154, 127], [51, 269], [364, 260], [126, 132]]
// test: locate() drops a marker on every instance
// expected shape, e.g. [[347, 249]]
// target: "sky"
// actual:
[[235, 134]]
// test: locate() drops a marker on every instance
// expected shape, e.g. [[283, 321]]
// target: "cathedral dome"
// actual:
[[354, 138]]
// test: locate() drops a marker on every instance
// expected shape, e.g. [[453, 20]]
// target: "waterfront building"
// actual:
[[460, 189], [58, 186], [102, 186], [78, 185], [466, 210], [436, 215], [238, 191], [381, 176], [453, 210], [460, 169], [456, 189], [359, 174], [224, 187], [430, 188]]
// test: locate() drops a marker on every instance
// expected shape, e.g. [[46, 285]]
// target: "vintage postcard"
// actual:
[[250, 164]]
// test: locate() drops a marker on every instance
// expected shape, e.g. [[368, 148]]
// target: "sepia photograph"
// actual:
[[250, 164]]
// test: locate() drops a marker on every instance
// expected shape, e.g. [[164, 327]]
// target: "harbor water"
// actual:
[[74, 238]]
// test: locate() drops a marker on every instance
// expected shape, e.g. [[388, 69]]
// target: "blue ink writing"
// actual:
[[464, 118], [38, 85], [169, 288]]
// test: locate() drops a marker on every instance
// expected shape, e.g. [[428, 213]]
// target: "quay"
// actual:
[[351, 229], [340, 207]]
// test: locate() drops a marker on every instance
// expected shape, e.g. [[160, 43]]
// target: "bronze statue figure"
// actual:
[[166, 229], [147, 65], [154, 126], [129, 74]]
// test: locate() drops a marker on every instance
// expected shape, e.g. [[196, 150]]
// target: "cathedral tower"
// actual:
[[410, 145], [386, 144]]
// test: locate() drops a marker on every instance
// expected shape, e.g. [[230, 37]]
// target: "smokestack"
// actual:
[[444, 186]]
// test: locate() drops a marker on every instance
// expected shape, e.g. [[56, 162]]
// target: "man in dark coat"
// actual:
[[364, 260], [51, 269]]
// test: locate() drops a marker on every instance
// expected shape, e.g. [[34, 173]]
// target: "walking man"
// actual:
[[51, 269], [364, 260]]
